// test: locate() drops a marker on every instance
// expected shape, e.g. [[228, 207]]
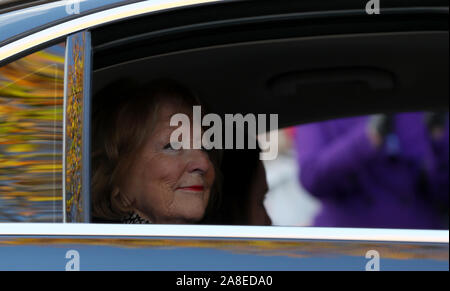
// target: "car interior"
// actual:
[[327, 65], [303, 69], [305, 80]]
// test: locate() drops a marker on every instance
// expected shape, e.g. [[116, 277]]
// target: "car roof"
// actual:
[[20, 18], [11, 5]]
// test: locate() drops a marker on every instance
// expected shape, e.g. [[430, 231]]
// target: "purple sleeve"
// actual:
[[325, 163]]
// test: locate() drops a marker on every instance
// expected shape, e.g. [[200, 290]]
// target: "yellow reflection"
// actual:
[[31, 131]]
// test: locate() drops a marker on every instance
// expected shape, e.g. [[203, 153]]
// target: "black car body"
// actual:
[[252, 40]]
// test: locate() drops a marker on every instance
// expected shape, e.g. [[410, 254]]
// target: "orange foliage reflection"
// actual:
[[31, 132]]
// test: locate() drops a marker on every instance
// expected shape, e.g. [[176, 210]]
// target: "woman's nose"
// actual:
[[198, 161]]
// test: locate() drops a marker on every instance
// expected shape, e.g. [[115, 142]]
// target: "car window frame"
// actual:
[[67, 29], [77, 92]]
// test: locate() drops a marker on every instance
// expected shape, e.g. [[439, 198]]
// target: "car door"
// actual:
[[50, 76]]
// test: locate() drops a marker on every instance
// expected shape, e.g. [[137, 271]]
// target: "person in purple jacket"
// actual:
[[381, 171]]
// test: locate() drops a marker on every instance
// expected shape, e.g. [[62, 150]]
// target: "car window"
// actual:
[[31, 137], [280, 76]]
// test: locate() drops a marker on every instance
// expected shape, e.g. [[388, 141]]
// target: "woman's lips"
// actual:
[[196, 188]]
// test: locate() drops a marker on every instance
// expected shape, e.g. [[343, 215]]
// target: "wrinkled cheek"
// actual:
[[169, 174], [151, 202], [167, 193]]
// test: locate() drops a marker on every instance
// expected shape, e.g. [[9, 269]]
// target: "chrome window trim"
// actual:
[[66, 65], [86, 159], [230, 232], [80, 212], [49, 14]]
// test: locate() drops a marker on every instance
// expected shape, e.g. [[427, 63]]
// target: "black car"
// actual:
[[248, 57]]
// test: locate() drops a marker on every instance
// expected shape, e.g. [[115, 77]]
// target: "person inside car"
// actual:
[[138, 176]]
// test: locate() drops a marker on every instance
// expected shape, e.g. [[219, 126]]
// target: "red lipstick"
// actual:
[[197, 188]]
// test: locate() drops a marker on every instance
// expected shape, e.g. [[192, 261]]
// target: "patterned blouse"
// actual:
[[134, 218]]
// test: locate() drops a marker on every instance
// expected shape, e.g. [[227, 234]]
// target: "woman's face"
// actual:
[[166, 185]]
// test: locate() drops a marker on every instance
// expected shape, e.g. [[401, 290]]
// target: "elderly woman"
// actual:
[[138, 176]]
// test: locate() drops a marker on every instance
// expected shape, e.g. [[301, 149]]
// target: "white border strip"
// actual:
[[92, 20], [212, 231]]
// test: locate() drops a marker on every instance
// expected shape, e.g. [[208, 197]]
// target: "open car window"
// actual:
[[303, 82], [285, 72], [322, 121]]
